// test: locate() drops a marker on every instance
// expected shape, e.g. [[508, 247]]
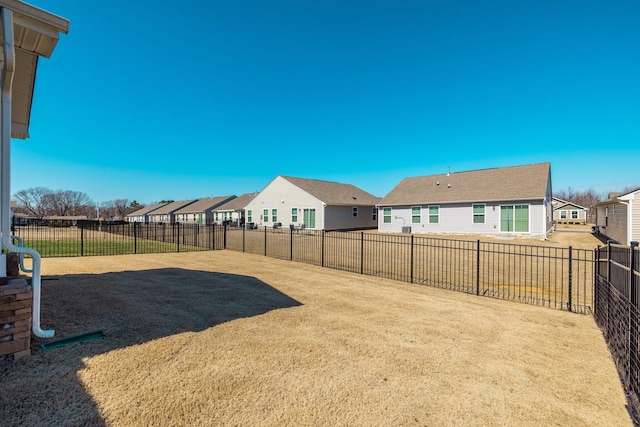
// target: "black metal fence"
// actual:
[[560, 278], [86, 238], [616, 312]]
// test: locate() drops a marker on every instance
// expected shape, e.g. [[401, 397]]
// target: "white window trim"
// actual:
[[484, 214]]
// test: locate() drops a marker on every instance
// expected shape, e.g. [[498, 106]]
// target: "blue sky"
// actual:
[[151, 100]]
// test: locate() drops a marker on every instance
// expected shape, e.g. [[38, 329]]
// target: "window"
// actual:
[[216, 216], [309, 216], [478, 214], [434, 214], [574, 214], [514, 218], [265, 215], [294, 214], [274, 214], [374, 214], [249, 215], [416, 214], [354, 212], [386, 215], [563, 214]]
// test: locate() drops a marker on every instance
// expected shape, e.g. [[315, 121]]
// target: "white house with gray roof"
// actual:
[[233, 210], [200, 212], [312, 204], [503, 201], [166, 213], [142, 215]]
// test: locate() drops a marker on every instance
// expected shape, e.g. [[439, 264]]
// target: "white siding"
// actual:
[[341, 217], [635, 219], [458, 218], [282, 195]]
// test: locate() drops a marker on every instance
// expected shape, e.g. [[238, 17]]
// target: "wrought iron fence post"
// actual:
[[265, 240], [632, 276], [322, 250], [594, 288], [135, 238], [178, 234], [81, 238], [224, 236], [290, 243], [362, 252], [478, 267], [411, 260], [570, 277], [609, 261], [244, 230]]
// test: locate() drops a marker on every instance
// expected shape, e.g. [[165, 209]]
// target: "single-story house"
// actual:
[[312, 204], [567, 212], [618, 217], [166, 213], [233, 210], [200, 211], [142, 215], [512, 200]]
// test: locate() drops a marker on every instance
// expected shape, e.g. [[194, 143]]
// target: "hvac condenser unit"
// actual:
[[406, 229]]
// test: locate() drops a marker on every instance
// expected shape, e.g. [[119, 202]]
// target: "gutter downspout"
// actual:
[[5, 162]]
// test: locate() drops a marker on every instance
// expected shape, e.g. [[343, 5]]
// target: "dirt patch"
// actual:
[[224, 338]]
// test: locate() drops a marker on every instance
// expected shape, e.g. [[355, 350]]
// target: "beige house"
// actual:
[[312, 204], [200, 212], [512, 200], [568, 213], [618, 217]]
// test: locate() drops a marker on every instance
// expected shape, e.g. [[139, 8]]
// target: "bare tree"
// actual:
[[37, 201], [114, 209], [587, 199], [72, 203]]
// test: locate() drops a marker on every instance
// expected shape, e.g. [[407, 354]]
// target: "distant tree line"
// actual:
[[40, 202]]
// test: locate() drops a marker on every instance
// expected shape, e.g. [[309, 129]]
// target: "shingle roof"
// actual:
[[172, 207], [204, 204], [147, 209], [525, 182], [238, 203], [334, 193]]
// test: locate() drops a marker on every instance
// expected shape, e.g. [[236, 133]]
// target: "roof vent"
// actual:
[[438, 183], [448, 173], [448, 185]]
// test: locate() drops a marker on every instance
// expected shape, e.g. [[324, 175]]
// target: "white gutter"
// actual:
[[5, 163]]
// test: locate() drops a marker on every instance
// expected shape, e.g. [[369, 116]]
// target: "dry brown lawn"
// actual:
[[224, 338]]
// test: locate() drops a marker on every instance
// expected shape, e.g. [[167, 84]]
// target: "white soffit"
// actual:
[[35, 34]]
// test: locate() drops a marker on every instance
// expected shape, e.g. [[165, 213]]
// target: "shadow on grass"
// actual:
[[130, 307]]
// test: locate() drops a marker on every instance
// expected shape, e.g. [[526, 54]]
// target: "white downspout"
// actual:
[[5, 188]]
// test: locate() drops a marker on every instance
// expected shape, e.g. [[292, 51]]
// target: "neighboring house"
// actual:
[[508, 201], [142, 215], [312, 204], [166, 213], [233, 210], [200, 211], [618, 217], [567, 212]]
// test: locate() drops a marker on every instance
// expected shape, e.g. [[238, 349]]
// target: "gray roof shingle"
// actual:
[[525, 182], [205, 204], [334, 193]]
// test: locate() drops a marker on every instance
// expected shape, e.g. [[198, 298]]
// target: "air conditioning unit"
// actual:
[[406, 229]]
